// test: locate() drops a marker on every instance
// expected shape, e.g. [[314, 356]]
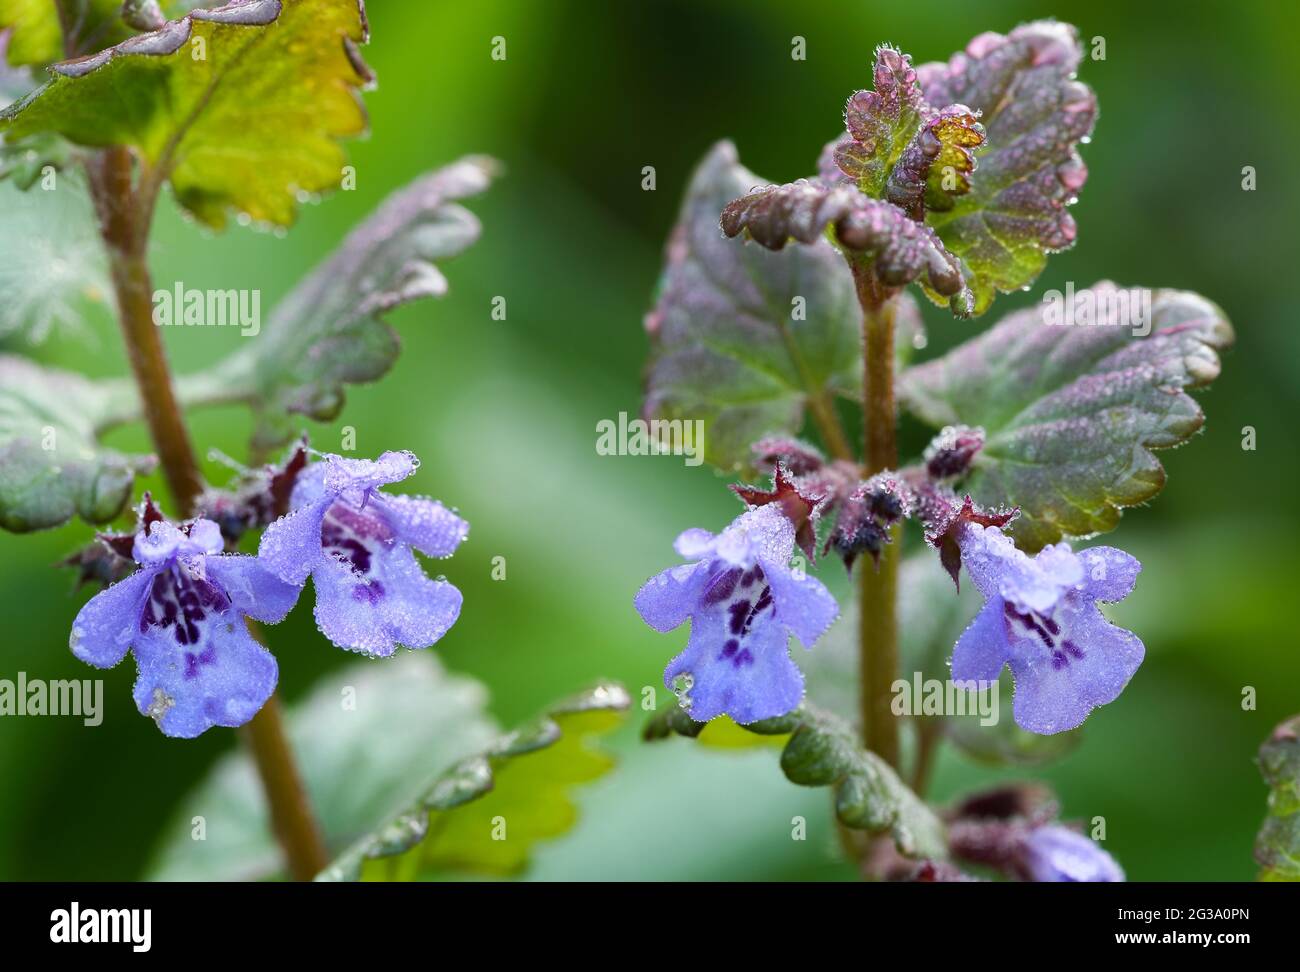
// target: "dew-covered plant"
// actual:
[[239, 110], [956, 177]]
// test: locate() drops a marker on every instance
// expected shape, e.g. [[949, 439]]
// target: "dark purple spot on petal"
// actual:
[[370, 593], [722, 586], [744, 658], [1073, 649], [739, 611], [730, 648]]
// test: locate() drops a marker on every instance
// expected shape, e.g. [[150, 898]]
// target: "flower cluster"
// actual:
[[182, 612]]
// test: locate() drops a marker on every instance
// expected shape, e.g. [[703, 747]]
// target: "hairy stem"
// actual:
[[125, 234], [125, 212], [291, 817], [878, 584]]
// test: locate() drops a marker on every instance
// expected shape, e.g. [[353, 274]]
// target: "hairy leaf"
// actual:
[[880, 123], [329, 331], [899, 249], [52, 466], [822, 750], [239, 106], [1277, 849], [743, 339], [1034, 112], [486, 813], [1072, 412], [367, 739]]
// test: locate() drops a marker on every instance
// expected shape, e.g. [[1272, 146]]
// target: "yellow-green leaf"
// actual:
[[240, 106]]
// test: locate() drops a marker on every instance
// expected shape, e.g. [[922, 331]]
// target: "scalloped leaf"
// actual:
[[37, 38], [251, 125], [822, 750], [329, 332], [1034, 113], [880, 124], [726, 347], [899, 249], [52, 466], [1072, 412], [1277, 849], [367, 740], [485, 814]]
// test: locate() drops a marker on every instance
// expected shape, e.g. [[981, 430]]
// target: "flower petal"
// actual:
[[1109, 573], [362, 474], [253, 590], [205, 536], [291, 546], [694, 544], [998, 568], [222, 680], [803, 604], [424, 523], [393, 604], [1053, 696], [755, 682], [1056, 853], [982, 649], [667, 599], [105, 626]]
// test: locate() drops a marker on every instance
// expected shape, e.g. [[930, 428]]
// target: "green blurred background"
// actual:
[[504, 413]]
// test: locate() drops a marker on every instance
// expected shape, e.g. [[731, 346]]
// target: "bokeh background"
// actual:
[[504, 413]]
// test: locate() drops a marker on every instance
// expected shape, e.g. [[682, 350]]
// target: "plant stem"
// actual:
[[291, 817], [125, 234], [878, 587], [125, 213]]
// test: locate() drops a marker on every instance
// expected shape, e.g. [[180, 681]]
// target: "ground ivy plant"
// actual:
[[782, 308], [239, 110]]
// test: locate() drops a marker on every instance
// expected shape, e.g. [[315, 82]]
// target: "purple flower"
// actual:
[[744, 602], [355, 542], [1055, 853], [1041, 618], [182, 615]]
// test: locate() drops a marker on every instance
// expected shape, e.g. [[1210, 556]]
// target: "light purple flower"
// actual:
[[1055, 853], [182, 616], [744, 602], [1041, 618], [355, 542]]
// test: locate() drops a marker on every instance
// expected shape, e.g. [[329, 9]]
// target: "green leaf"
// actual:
[[1277, 849], [239, 107], [52, 466], [822, 750], [1034, 113], [727, 346], [330, 331], [1072, 412], [367, 740], [486, 813]]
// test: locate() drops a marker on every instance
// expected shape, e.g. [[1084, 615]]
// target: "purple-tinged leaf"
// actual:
[[880, 123], [899, 249], [1277, 848], [742, 339], [1035, 113], [329, 331], [937, 164], [1071, 412]]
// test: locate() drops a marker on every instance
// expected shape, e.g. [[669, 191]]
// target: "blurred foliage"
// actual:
[[504, 414]]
